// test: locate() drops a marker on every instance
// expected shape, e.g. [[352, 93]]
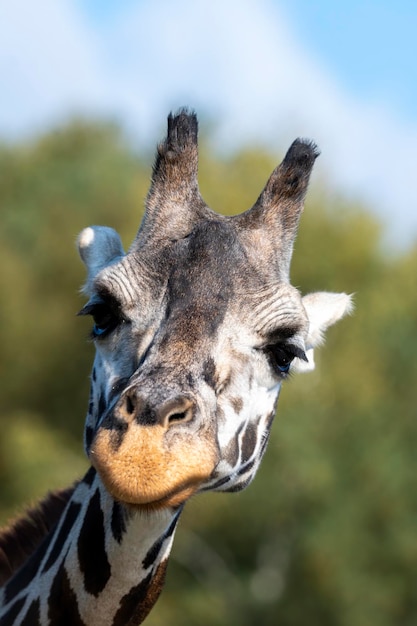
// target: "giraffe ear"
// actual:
[[98, 246], [323, 310]]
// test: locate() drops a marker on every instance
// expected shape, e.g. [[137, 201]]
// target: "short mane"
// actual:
[[23, 536]]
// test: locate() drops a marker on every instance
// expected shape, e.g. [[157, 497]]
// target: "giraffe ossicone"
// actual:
[[195, 328]]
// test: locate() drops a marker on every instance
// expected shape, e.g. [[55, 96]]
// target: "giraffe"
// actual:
[[195, 329]]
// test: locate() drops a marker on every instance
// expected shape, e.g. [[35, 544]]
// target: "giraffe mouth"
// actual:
[[147, 472], [171, 500]]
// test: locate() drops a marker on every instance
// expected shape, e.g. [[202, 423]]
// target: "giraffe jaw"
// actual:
[[146, 471]]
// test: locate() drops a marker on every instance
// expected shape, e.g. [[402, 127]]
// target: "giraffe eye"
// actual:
[[105, 316], [282, 355], [280, 358], [105, 320]]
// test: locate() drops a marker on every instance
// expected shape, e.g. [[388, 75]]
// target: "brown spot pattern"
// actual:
[[92, 555], [136, 604], [33, 615], [237, 404], [62, 602]]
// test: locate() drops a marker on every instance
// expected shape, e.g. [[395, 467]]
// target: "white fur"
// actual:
[[323, 310], [98, 246]]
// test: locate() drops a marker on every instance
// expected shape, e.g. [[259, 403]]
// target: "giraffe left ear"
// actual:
[[323, 310], [98, 246]]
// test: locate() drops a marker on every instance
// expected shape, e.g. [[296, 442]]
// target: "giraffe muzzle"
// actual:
[[154, 455]]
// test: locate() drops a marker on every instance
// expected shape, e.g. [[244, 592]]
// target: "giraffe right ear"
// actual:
[[98, 246], [323, 310]]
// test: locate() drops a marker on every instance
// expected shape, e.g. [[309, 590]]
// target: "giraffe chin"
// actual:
[[147, 473]]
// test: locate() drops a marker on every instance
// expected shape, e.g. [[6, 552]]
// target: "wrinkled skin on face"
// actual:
[[195, 328]]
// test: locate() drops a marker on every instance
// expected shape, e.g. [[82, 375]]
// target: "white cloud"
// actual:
[[237, 61], [48, 65]]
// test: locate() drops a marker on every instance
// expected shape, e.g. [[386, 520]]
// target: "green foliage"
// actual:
[[326, 534], [49, 191]]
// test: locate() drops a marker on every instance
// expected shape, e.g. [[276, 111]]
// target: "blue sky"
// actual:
[[370, 46], [264, 71]]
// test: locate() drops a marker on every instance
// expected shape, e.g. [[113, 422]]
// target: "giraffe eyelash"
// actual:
[[281, 355], [106, 316]]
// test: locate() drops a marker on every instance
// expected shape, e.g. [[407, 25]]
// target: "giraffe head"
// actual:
[[196, 327]]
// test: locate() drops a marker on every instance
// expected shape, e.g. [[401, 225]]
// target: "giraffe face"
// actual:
[[195, 329], [191, 353]]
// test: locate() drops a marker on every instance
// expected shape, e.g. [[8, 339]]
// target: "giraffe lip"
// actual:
[[139, 501], [173, 500]]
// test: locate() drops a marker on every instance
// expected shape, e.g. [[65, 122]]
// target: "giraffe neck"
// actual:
[[101, 564]]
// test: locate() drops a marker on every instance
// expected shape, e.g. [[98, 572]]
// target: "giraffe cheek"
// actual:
[[149, 471]]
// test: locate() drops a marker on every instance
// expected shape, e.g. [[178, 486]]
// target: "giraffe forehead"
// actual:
[[200, 285], [203, 262], [212, 273]]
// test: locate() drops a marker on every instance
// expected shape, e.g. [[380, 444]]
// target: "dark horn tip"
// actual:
[[182, 129], [302, 152]]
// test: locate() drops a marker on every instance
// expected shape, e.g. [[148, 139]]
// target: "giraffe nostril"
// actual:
[[176, 411], [183, 416], [130, 404]]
